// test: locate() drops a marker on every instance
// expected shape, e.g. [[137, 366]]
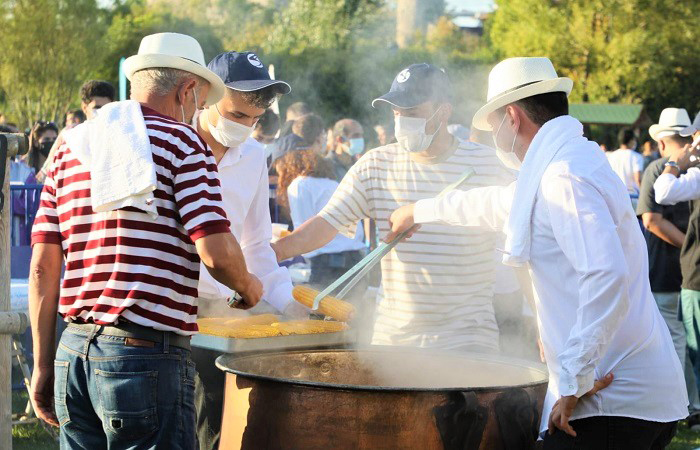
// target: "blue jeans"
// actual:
[[110, 395]]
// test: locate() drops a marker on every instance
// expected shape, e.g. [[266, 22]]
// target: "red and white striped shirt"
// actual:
[[121, 263]]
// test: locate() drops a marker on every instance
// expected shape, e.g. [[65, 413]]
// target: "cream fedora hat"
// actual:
[[514, 79], [671, 121], [175, 51]]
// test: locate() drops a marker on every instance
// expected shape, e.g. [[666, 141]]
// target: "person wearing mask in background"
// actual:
[[226, 127], [41, 140], [73, 118], [666, 226], [627, 163], [306, 183], [94, 94], [436, 291], [311, 133], [347, 144], [680, 182], [133, 209], [568, 218]]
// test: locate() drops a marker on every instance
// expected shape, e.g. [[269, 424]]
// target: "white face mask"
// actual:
[[508, 158], [227, 132], [410, 133]]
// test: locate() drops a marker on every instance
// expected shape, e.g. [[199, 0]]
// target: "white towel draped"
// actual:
[[544, 147], [116, 149]]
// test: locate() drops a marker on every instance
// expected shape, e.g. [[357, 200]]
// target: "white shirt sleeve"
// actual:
[[670, 190], [587, 234], [479, 207], [259, 255], [637, 162]]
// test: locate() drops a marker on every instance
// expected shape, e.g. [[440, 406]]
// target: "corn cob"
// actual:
[[243, 332], [330, 306], [309, 327], [227, 326]]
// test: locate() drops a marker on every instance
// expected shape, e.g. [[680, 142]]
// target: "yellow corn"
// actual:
[[230, 326], [309, 327], [330, 306]]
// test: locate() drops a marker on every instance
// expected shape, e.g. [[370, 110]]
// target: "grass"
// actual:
[[34, 437], [29, 437]]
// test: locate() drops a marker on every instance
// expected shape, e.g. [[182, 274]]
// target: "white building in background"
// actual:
[[469, 15]]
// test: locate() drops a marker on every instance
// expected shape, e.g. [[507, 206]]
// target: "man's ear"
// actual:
[[446, 112], [662, 147], [84, 106]]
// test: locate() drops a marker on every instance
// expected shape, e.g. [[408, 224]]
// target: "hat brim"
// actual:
[[688, 131], [657, 129], [217, 87], [398, 100], [561, 84], [256, 85]]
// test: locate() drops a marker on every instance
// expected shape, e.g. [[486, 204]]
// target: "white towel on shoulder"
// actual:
[[116, 149], [543, 148]]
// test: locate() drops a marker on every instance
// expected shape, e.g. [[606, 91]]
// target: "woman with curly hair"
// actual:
[[306, 183]]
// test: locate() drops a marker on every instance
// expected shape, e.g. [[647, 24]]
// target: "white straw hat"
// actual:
[[514, 79], [671, 121], [175, 51]]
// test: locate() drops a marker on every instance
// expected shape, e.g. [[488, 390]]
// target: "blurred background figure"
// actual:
[[266, 129], [306, 183], [627, 163], [347, 143], [385, 134], [94, 95], [311, 133], [73, 118], [41, 139], [295, 111], [650, 153], [459, 131]]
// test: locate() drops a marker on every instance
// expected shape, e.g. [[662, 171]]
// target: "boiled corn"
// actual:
[[330, 306], [309, 327]]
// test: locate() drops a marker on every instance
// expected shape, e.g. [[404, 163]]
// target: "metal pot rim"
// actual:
[[356, 387]]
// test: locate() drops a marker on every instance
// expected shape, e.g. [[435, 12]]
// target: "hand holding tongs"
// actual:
[[359, 270]]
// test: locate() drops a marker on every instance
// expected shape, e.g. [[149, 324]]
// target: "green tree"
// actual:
[[48, 48], [614, 50], [321, 24]]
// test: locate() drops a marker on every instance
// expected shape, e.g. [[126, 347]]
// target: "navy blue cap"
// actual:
[[417, 84], [244, 72]]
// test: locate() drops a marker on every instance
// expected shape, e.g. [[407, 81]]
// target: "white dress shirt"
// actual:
[[588, 261], [245, 192], [307, 197], [670, 189]]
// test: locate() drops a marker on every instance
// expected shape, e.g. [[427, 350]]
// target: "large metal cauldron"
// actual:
[[386, 398]]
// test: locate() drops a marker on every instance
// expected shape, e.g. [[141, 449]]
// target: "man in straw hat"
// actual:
[[569, 218], [132, 202], [436, 291], [680, 182]]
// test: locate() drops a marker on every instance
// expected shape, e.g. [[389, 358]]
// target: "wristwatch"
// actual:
[[672, 164]]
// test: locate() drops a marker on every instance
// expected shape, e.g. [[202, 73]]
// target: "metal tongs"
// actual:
[[359, 270]]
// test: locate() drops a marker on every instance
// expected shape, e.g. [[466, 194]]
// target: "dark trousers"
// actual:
[[328, 267], [612, 433], [208, 398]]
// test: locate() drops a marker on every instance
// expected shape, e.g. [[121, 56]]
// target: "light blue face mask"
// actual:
[[356, 146]]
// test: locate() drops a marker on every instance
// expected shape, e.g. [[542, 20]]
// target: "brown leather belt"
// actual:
[[135, 333]]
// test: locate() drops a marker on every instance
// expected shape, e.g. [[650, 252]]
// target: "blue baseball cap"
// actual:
[[244, 72], [415, 85]]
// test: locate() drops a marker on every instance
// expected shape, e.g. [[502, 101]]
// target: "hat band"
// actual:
[[508, 91]]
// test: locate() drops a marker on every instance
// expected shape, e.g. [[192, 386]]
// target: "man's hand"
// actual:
[[563, 409], [684, 157], [42, 394], [401, 220], [252, 293]]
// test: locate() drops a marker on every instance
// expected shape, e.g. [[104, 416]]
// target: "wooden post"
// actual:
[[5, 352]]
